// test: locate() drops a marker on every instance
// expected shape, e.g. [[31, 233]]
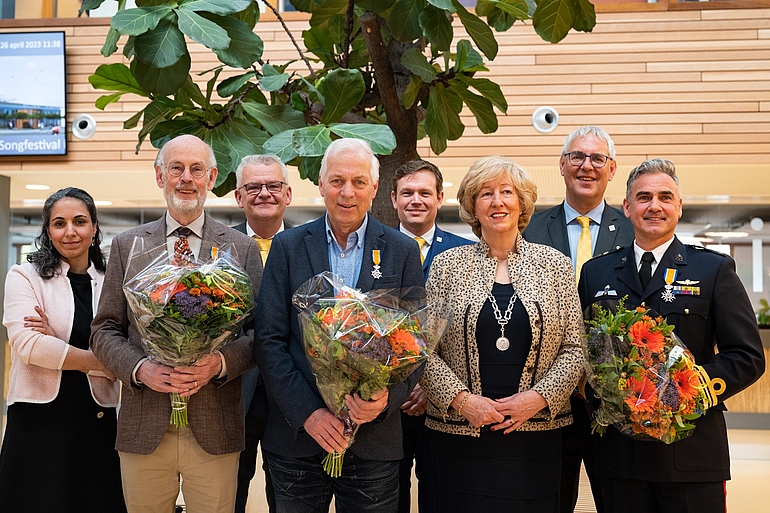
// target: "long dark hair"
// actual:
[[46, 259]]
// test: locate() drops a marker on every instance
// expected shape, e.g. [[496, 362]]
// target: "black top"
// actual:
[[81, 324], [501, 370]]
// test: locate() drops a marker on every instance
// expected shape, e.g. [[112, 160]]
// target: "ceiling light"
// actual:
[[448, 184], [726, 235], [102, 203], [33, 202], [37, 187], [452, 201]]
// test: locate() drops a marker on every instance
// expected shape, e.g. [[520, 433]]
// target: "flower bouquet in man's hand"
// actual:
[[361, 343], [647, 380], [185, 311]]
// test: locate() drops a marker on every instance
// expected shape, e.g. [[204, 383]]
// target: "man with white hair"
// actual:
[[300, 428], [155, 454]]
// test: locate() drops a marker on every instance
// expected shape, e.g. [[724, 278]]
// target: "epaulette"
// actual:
[[701, 248]]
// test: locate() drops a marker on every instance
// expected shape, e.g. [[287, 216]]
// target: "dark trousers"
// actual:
[[256, 418], [577, 447], [417, 449], [633, 496], [303, 486]]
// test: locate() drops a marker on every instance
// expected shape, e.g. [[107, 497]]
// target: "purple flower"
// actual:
[[191, 306], [670, 396]]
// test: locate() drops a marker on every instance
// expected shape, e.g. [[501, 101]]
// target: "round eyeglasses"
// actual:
[[197, 171]]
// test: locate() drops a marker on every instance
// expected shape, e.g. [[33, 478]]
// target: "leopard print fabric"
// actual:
[[545, 283]]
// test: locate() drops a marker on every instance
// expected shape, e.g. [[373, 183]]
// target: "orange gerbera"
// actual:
[[402, 341], [642, 394], [643, 336], [687, 383], [168, 290]]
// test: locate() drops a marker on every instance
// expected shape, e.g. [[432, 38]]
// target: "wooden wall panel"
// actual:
[[693, 86]]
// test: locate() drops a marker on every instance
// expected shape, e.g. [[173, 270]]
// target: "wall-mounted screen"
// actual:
[[32, 94]]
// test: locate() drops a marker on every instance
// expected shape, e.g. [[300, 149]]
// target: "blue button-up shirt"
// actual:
[[346, 262], [574, 228]]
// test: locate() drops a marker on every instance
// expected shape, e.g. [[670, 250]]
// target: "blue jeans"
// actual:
[[302, 485]]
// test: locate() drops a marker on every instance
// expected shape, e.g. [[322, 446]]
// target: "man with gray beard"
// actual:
[[155, 454]]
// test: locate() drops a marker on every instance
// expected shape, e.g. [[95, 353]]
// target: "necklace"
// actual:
[[502, 343]]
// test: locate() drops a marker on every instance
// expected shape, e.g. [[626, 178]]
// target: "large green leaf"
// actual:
[[161, 47], [139, 20], [585, 16], [190, 93], [116, 77], [222, 7], [490, 90], [405, 19], [272, 79], [230, 86], [517, 8], [309, 168], [554, 18], [436, 123], [282, 145], [478, 30], [202, 31], [89, 5], [311, 141], [167, 130], [411, 91], [375, 5], [342, 89], [110, 42], [436, 28], [275, 118], [319, 43], [245, 46], [467, 58], [154, 114], [237, 138], [324, 12], [162, 81], [379, 137], [486, 119], [250, 15], [416, 62]]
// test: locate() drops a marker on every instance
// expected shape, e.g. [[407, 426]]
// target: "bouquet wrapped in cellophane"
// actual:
[[362, 342], [186, 310], [646, 379]]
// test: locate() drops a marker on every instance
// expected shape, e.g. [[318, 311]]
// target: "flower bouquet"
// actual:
[[185, 311], [647, 380], [361, 343]]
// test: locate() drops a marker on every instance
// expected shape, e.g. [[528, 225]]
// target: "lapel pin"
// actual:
[[611, 227], [438, 239]]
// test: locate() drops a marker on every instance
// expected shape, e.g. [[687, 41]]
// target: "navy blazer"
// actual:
[[295, 256], [719, 317], [442, 241], [550, 228], [250, 378]]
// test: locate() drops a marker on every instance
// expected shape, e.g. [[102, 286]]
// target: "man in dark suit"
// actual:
[[417, 195], [263, 193], [153, 453], [300, 428], [587, 164], [698, 292]]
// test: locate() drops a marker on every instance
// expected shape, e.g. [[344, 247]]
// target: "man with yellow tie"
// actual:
[[263, 192], [582, 226], [417, 195]]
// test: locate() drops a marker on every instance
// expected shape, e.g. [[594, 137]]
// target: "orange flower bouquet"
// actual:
[[361, 343], [646, 379], [185, 312]]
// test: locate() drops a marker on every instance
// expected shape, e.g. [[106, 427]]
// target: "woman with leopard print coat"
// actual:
[[499, 382]]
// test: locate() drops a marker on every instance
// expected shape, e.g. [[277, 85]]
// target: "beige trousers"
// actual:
[[151, 482]]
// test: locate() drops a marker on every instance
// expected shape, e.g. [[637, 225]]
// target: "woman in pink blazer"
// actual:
[[58, 451]]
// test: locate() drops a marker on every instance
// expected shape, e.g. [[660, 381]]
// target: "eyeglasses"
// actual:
[[576, 158], [254, 189], [197, 171]]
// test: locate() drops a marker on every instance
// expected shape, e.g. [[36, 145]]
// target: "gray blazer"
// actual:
[[215, 413], [295, 256], [550, 228]]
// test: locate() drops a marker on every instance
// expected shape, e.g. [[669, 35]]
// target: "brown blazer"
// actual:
[[215, 413]]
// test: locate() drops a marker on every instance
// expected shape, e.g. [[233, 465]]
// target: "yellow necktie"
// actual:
[[264, 247], [584, 247], [421, 242]]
